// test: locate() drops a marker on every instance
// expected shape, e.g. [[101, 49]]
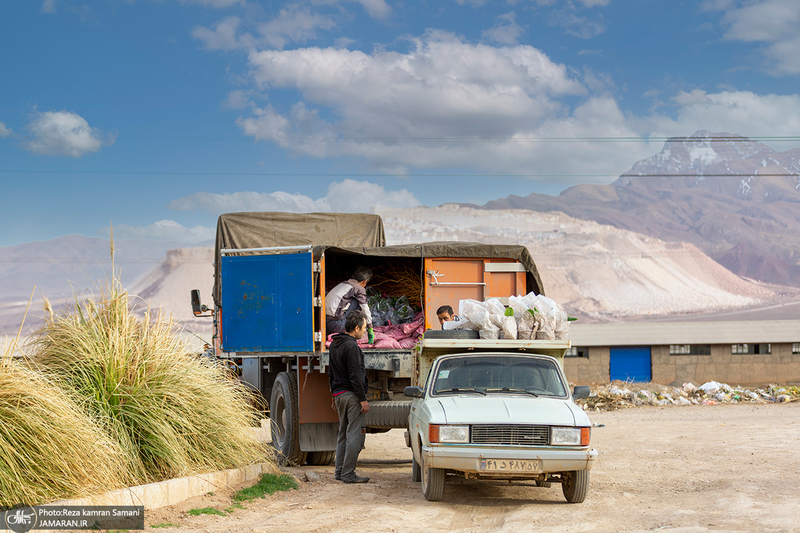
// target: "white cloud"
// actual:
[[224, 36], [249, 201], [63, 133], [377, 9], [741, 112], [165, 230], [213, 3], [506, 31], [295, 23], [774, 22], [5, 131], [348, 196], [49, 6]]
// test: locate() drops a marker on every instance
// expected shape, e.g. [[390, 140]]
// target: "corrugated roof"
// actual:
[[665, 333]]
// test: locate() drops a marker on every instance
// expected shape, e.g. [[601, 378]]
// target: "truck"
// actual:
[[271, 274]]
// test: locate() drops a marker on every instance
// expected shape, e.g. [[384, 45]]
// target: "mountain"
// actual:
[[63, 268], [735, 199]]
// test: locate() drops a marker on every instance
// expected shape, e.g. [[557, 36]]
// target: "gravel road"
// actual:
[[675, 469]]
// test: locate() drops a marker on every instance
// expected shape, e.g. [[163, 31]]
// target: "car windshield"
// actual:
[[498, 374]]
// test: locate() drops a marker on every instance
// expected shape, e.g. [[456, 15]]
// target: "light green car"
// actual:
[[506, 416]]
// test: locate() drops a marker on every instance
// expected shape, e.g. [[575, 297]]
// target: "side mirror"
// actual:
[[197, 308], [581, 391], [414, 392]]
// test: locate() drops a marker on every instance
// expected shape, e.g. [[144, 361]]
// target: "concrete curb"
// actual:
[[173, 491]]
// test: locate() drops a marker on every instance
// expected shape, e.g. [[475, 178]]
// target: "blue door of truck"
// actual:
[[630, 363], [267, 303]]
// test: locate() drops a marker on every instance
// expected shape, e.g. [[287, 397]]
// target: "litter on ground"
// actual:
[[621, 395]]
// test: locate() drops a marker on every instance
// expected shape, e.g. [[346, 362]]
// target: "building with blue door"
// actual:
[[735, 352]]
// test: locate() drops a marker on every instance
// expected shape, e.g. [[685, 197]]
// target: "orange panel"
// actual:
[[501, 284], [456, 279], [315, 397]]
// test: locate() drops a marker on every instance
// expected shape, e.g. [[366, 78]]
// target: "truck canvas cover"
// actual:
[[446, 249], [272, 229]]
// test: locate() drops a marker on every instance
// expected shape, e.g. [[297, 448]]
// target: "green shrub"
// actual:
[[49, 448], [173, 413]]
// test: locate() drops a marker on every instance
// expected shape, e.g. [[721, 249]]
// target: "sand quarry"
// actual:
[[679, 469]]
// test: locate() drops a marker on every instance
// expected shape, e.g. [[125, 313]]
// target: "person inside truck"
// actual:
[[347, 297], [446, 314], [349, 386]]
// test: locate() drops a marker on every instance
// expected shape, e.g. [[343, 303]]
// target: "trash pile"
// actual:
[[621, 395], [529, 317]]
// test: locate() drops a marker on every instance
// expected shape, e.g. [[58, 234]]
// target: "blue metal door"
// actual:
[[630, 363], [267, 303]]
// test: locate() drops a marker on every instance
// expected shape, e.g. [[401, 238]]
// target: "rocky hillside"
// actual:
[[597, 272], [735, 199]]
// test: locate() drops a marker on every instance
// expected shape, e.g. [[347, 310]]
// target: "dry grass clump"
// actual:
[[49, 448], [172, 413]]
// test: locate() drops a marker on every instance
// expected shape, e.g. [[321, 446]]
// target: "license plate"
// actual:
[[509, 465]]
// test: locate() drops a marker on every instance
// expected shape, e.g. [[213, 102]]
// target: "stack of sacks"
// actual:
[[529, 317], [401, 336]]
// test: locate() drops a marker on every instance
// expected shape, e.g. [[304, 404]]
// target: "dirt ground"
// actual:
[[678, 469]]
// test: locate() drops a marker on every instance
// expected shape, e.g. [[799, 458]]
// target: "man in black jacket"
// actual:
[[348, 381]]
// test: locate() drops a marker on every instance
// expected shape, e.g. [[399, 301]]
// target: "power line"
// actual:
[[382, 174]]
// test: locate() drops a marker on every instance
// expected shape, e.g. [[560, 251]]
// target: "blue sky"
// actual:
[[157, 115]]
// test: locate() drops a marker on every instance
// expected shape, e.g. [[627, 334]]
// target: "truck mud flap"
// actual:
[[388, 414]]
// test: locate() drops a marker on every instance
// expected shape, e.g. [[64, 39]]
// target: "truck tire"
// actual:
[[575, 485], [432, 482], [388, 414], [285, 420], [451, 334], [320, 458]]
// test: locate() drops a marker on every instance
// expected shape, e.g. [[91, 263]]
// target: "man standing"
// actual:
[[346, 297], [348, 381]]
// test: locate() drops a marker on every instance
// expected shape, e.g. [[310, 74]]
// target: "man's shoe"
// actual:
[[356, 479], [337, 477]]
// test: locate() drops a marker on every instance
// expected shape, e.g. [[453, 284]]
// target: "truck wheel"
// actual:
[[285, 419], [575, 485], [451, 334], [416, 472], [320, 458], [432, 482]]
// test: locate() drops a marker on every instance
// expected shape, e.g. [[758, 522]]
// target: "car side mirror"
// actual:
[[581, 391], [414, 392], [197, 308]]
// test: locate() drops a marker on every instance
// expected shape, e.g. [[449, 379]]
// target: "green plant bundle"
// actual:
[[173, 413], [49, 448]]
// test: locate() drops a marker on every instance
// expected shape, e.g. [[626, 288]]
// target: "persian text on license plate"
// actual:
[[509, 465]]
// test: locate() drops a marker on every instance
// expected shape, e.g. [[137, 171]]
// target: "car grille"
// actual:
[[510, 435]]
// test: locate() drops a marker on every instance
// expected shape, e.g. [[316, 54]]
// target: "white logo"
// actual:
[[21, 520]]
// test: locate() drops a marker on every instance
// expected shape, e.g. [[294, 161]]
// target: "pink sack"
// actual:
[[387, 344], [407, 343]]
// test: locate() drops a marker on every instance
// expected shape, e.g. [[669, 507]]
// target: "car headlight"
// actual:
[[565, 436], [448, 434]]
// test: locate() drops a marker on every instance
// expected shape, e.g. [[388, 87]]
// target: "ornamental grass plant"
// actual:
[[49, 448], [172, 413]]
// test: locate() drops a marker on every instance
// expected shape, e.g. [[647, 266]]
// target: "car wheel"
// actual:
[[575, 485], [416, 471], [432, 482], [544, 484]]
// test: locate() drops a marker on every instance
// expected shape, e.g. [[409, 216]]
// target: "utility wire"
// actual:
[[383, 174]]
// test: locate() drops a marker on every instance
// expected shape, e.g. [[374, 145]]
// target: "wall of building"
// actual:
[[781, 366], [591, 370]]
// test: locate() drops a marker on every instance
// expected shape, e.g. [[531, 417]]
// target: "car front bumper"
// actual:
[[469, 458]]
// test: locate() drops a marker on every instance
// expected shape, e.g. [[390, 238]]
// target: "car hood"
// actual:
[[506, 409]]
